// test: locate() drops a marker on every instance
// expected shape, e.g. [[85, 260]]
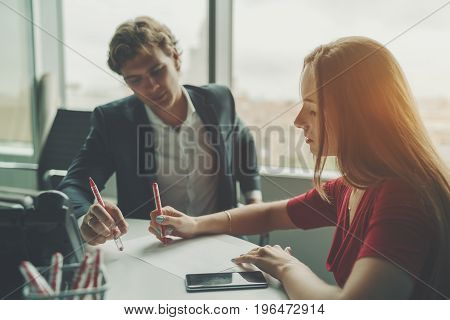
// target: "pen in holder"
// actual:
[[85, 280], [66, 292]]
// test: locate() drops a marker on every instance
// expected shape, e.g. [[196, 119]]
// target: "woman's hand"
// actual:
[[176, 224], [270, 259], [100, 224]]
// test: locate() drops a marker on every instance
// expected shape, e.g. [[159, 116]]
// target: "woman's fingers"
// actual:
[[157, 219], [250, 256], [167, 220], [256, 250], [246, 258], [259, 252], [169, 231], [158, 235], [167, 211], [153, 214], [175, 223], [268, 249], [166, 240], [155, 230]]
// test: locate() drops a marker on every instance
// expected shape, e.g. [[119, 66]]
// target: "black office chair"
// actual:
[[63, 142]]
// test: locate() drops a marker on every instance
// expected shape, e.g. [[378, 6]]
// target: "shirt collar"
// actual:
[[190, 111]]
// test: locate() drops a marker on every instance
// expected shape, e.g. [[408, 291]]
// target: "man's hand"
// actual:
[[100, 224]]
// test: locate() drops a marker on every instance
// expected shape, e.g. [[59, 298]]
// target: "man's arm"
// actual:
[[246, 164], [94, 160]]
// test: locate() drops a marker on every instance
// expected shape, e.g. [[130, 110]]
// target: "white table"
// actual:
[[131, 278]]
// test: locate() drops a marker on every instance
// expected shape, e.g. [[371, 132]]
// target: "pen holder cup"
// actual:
[[66, 293]]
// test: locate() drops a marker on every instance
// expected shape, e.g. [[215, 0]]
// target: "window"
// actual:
[[16, 79], [89, 26], [271, 38]]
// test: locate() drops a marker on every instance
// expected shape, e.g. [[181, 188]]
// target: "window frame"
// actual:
[[17, 159]]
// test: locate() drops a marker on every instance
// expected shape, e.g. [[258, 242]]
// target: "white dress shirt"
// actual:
[[186, 164]]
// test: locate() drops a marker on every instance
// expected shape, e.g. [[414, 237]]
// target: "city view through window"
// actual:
[[271, 38]]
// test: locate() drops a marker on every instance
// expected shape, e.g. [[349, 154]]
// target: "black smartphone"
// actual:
[[225, 281]]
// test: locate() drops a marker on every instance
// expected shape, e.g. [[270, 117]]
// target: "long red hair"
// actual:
[[364, 97]]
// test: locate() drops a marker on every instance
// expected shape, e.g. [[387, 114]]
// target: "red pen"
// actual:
[[159, 208], [97, 195]]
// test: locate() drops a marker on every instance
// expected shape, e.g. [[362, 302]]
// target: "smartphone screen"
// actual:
[[225, 281]]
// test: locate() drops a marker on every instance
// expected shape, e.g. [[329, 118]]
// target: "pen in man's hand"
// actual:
[[97, 195]]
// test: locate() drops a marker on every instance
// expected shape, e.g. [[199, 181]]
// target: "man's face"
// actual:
[[154, 77]]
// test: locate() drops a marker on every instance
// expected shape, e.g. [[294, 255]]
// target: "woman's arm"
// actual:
[[371, 278], [251, 219]]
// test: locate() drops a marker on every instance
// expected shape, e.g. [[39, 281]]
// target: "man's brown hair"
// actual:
[[134, 36]]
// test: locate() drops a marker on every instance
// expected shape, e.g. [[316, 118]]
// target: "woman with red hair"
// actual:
[[391, 207]]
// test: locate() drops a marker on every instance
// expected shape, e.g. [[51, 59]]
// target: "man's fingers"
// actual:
[[91, 237], [108, 222], [114, 235], [96, 225], [102, 215], [118, 218], [98, 240]]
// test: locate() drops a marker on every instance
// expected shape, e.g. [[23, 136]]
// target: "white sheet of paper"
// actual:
[[198, 255]]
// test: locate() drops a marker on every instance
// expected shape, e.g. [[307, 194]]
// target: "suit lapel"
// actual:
[[204, 108], [207, 113]]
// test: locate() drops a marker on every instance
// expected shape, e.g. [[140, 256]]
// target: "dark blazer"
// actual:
[[120, 142]]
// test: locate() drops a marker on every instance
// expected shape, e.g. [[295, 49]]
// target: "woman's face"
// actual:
[[308, 119]]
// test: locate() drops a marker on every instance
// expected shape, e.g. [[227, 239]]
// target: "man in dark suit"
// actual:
[[188, 139]]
